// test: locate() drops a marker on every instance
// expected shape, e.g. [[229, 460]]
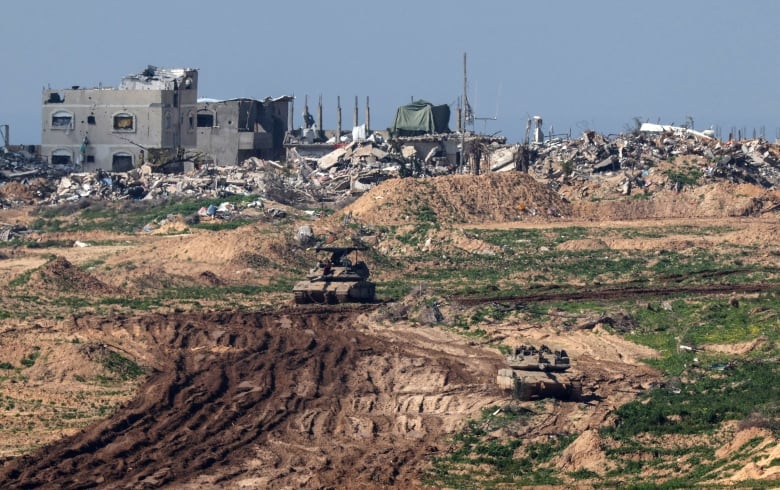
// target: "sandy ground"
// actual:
[[310, 397]]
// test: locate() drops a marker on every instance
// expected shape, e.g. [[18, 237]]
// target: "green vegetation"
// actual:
[[685, 175], [701, 404], [131, 216], [121, 366], [701, 390], [706, 321], [479, 460], [21, 279], [29, 359], [531, 260]]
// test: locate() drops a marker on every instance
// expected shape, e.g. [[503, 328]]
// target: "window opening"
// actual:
[[122, 162], [124, 122], [205, 120], [61, 157], [61, 120]]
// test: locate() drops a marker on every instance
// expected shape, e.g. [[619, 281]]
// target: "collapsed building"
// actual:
[[231, 131]]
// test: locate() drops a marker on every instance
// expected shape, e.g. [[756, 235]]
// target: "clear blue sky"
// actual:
[[580, 65]]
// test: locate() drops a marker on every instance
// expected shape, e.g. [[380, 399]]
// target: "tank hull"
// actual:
[[332, 292], [534, 385]]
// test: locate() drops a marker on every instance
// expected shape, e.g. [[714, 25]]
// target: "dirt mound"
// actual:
[[61, 275], [227, 253], [763, 451], [718, 200], [583, 244], [507, 196], [261, 401], [586, 452]]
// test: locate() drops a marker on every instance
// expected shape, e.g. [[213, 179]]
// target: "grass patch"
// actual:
[[501, 462], [29, 359], [121, 366], [699, 406], [130, 216]]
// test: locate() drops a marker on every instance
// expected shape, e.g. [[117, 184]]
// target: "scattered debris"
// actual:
[[11, 232], [348, 169], [751, 161]]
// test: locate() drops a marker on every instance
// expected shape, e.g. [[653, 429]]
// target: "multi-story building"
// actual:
[[112, 128], [116, 129]]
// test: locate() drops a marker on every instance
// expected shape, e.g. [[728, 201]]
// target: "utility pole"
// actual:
[[368, 116], [291, 115], [468, 116], [460, 116], [464, 117], [355, 115], [319, 115], [338, 120]]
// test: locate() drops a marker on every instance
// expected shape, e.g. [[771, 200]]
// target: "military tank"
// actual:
[[536, 373], [337, 279]]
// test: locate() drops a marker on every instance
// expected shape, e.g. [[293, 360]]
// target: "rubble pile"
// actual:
[[19, 163], [751, 161], [355, 167], [347, 170]]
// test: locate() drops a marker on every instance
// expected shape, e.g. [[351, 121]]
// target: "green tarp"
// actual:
[[421, 117]]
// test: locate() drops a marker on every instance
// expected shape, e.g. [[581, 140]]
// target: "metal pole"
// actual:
[[355, 115], [319, 116], [291, 115], [338, 121], [465, 91], [368, 116]]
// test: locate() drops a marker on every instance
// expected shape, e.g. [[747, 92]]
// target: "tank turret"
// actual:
[[529, 358], [337, 279], [535, 373]]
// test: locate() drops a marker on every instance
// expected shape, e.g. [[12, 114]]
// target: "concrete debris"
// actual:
[[305, 235], [336, 173], [751, 161], [11, 232], [20, 164]]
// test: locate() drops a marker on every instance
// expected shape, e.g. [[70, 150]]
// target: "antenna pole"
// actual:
[[465, 94]]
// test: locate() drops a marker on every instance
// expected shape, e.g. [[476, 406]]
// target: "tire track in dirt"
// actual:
[[609, 293], [301, 399]]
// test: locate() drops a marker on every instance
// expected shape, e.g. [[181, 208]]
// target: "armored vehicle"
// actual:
[[538, 373], [337, 279]]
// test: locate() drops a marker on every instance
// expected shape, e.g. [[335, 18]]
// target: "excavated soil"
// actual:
[[306, 397], [61, 275], [460, 199], [294, 400]]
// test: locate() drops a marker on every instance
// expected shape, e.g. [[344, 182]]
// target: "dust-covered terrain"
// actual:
[[177, 359]]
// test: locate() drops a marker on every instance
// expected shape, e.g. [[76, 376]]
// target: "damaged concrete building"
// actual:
[[152, 113], [111, 128], [230, 131]]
